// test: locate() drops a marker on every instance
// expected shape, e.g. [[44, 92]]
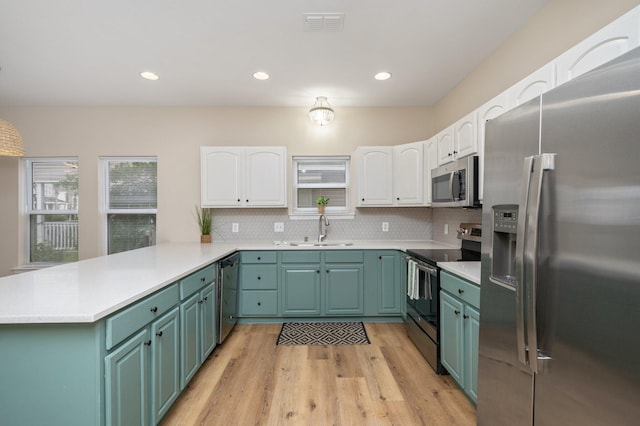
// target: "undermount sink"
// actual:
[[329, 244]]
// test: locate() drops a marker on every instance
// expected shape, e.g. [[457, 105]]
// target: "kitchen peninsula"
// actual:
[[62, 327]]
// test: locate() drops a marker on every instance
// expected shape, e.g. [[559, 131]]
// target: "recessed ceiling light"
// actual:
[[382, 76], [261, 75], [149, 75]]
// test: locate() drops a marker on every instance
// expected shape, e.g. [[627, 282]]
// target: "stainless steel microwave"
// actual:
[[456, 184]]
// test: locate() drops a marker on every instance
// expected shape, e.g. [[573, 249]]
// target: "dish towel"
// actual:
[[413, 290]]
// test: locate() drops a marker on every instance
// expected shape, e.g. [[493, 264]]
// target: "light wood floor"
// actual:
[[250, 381]]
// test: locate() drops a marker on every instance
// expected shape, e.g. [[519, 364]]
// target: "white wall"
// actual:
[[175, 135]]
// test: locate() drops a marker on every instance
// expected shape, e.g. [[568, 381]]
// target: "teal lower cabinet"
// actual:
[[258, 288], [459, 331], [344, 289], [197, 331], [300, 289], [165, 364]]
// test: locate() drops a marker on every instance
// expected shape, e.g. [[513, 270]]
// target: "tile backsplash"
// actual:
[[406, 223], [453, 218]]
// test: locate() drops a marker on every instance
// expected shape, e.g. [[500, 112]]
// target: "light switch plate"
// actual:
[[278, 226]]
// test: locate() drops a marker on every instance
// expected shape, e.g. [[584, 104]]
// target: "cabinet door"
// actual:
[[165, 364], [389, 290], [490, 110], [465, 135], [534, 85], [127, 382], [445, 146], [189, 338], [452, 336], [430, 162], [300, 290], [471, 338], [265, 172], [344, 289], [375, 176], [615, 39], [208, 321], [221, 176], [408, 174]]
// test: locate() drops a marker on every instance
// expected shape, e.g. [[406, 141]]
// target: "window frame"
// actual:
[[334, 211], [105, 210], [27, 210]]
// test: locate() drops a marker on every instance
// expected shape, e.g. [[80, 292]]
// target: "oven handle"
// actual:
[[431, 273]]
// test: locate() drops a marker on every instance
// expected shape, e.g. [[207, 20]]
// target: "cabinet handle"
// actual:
[[259, 304], [202, 279], [259, 278], [327, 271], [238, 199], [449, 154], [317, 272], [259, 258], [457, 312], [199, 302], [159, 334], [206, 297], [380, 257], [398, 198], [465, 316], [247, 201], [154, 309], [363, 199], [460, 291], [147, 343], [455, 152]]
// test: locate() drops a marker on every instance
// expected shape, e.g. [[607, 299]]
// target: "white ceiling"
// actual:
[[90, 52]]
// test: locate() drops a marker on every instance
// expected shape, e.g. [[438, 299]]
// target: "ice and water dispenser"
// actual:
[[504, 229]]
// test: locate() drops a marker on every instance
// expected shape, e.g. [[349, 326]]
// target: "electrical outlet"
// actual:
[[385, 226], [235, 227], [278, 227], [446, 228]]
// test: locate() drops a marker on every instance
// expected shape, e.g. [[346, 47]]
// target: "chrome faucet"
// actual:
[[322, 233]]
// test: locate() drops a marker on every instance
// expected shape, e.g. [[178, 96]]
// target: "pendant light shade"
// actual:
[[10, 140], [321, 112]]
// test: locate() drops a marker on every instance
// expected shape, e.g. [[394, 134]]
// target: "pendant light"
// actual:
[[10, 140], [321, 112]]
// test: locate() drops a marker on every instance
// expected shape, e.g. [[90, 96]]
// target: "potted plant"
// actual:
[[204, 223], [322, 202]]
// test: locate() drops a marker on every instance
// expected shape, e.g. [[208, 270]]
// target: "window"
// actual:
[[51, 201], [321, 176], [130, 203]]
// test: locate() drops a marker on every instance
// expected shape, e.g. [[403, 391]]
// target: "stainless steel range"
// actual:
[[423, 290]]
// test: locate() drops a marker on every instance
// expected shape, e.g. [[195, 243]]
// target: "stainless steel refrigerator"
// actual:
[[560, 286]]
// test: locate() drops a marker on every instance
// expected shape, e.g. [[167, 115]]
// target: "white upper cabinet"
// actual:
[[408, 173], [375, 175], [430, 148], [243, 176], [458, 140], [465, 136], [534, 85], [492, 109], [390, 175], [610, 42], [444, 139]]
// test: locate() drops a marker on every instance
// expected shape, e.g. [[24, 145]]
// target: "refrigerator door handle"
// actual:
[[541, 163], [521, 237]]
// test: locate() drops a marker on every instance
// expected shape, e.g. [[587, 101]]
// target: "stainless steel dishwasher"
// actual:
[[227, 294]]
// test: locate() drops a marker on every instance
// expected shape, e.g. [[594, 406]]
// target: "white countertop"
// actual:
[[88, 290], [466, 270]]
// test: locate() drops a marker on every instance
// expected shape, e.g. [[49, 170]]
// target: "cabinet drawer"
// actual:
[[300, 256], [196, 281], [343, 256], [259, 303], [258, 257], [259, 277], [460, 288], [126, 322]]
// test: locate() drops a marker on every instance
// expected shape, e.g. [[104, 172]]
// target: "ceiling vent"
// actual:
[[326, 22]]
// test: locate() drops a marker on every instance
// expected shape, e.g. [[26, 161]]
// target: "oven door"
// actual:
[[424, 309]]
